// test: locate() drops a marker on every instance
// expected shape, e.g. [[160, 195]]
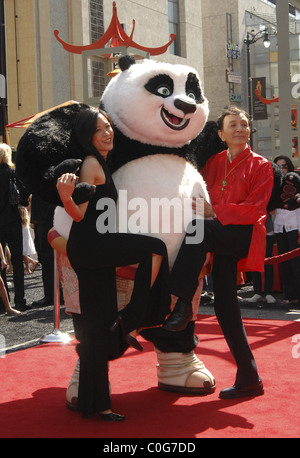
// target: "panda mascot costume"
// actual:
[[162, 139]]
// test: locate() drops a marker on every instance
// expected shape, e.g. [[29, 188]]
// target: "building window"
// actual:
[[174, 26], [96, 31]]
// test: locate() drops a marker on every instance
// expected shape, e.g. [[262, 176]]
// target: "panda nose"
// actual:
[[186, 107]]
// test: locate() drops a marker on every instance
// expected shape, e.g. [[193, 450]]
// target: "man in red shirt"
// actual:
[[239, 184]]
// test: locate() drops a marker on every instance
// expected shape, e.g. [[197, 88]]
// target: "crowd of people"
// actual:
[[20, 241], [237, 232]]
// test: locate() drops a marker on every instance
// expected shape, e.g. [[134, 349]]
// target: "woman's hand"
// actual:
[[65, 186]]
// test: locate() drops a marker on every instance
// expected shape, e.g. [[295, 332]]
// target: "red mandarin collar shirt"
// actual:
[[244, 199]]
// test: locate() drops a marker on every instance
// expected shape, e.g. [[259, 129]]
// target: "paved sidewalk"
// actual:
[[262, 310], [17, 332], [26, 330]]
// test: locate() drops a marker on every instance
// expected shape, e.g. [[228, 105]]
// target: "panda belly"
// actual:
[[143, 183]]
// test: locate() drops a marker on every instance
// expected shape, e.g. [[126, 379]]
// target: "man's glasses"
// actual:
[[283, 166]]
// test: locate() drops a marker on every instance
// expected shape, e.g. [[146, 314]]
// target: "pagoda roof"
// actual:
[[118, 37]]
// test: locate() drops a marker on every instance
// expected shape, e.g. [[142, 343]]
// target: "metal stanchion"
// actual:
[[56, 335]]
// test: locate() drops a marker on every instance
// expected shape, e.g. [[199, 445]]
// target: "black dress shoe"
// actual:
[[42, 302], [180, 317], [111, 416], [132, 342], [257, 389], [22, 307]]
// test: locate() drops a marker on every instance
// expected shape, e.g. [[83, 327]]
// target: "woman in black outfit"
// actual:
[[11, 227], [105, 333], [287, 235]]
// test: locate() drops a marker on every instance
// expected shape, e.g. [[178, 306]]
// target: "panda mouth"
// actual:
[[172, 121]]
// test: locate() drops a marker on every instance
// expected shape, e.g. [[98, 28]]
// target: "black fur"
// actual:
[[125, 62], [46, 144]]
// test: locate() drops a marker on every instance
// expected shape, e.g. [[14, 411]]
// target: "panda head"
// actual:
[[156, 103]]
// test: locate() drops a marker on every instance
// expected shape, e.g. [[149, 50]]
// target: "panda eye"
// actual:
[[164, 91], [193, 89], [192, 95], [160, 85]]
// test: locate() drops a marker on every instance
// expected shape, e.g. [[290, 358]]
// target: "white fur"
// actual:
[[62, 222], [155, 177], [137, 113]]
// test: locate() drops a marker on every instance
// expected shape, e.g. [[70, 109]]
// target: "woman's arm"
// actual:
[[65, 186], [92, 173]]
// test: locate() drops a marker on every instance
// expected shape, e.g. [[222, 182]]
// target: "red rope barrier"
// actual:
[[283, 257]]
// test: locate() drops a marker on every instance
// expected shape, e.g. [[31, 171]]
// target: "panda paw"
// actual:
[[291, 191], [67, 166], [83, 192]]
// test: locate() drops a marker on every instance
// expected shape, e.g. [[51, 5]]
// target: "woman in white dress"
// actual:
[[28, 244]]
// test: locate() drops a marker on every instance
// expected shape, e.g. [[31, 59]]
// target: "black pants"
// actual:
[[256, 276], [229, 244], [290, 270], [11, 234], [45, 254]]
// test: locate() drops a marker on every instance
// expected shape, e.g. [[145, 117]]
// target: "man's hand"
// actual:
[[202, 207]]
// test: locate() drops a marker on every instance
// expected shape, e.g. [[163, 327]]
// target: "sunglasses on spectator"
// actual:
[[283, 166]]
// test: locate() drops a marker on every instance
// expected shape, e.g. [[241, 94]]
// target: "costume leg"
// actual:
[[178, 368], [229, 317]]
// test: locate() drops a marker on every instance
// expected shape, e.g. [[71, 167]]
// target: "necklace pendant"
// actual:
[[224, 183]]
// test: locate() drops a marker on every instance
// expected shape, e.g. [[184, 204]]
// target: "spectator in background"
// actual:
[[3, 292], [287, 232], [11, 227], [28, 244], [268, 278]]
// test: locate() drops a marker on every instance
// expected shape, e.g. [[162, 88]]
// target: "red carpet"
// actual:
[[33, 384]]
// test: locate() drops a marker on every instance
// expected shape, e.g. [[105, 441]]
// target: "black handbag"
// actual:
[[14, 193]]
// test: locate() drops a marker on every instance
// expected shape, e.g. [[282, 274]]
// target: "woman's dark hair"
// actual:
[[231, 110], [287, 160], [85, 128]]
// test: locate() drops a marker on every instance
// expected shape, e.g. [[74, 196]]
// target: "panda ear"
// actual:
[[125, 62]]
